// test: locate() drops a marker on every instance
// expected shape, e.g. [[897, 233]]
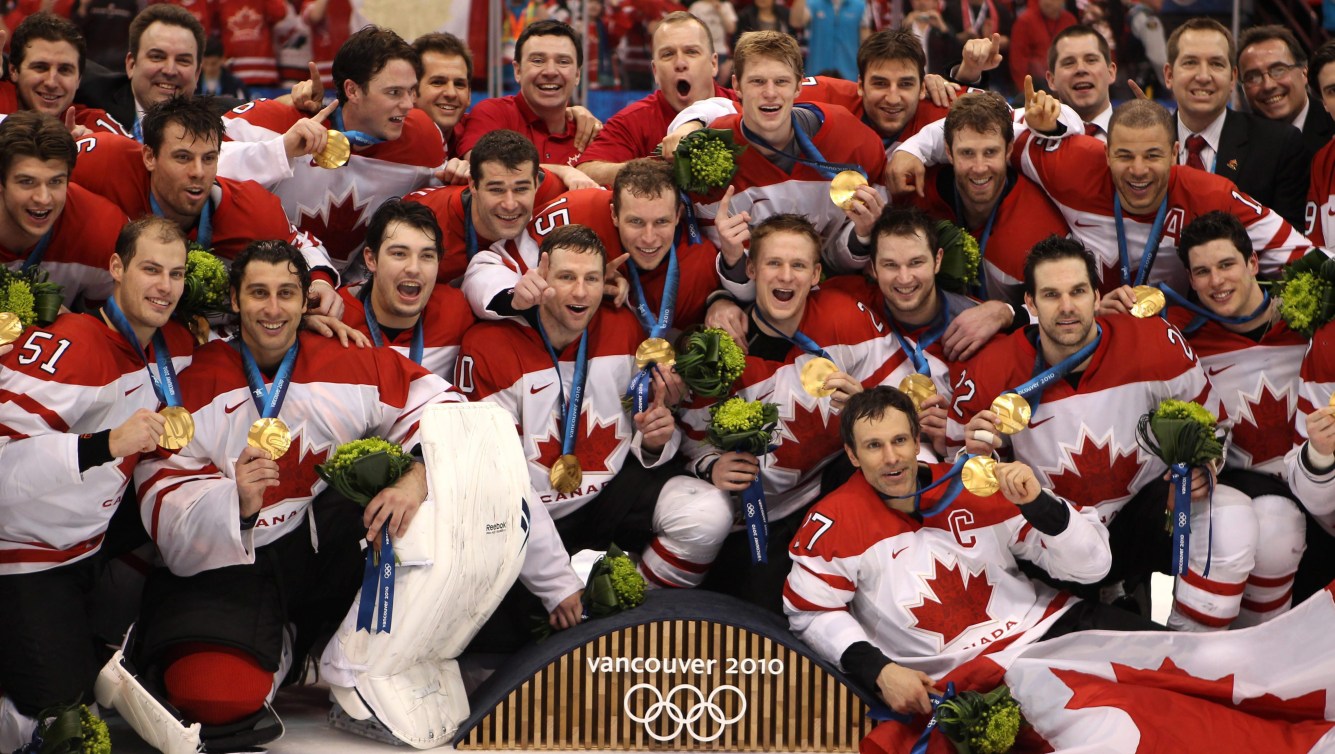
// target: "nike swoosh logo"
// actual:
[[1330, 211], [1216, 370], [896, 553], [1033, 424], [230, 409], [131, 390], [1079, 224], [536, 390]]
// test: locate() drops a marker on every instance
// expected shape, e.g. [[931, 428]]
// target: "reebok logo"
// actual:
[[536, 390], [230, 409]]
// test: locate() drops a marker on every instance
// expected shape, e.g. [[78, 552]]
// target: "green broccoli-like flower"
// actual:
[[981, 723], [627, 581], [1305, 295], [360, 469], [348, 452], [734, 358], [705, 160], [16, 298], [206, 283], [737, 415], [1172, 408], [960, 258], [96, 736]]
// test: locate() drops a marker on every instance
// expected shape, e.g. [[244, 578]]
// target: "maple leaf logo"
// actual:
[[296, 473], [953, 602], [245, 25], [594, 446], [1098, 472], [807, 438], [1262, 430], [340, 225]]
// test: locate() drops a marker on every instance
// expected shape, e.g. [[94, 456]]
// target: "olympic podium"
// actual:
[[687, 670]]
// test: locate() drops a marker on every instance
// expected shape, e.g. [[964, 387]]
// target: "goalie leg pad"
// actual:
[[691, 521], [150, 717], [15, 727]]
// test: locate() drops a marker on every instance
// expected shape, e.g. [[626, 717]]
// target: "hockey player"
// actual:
[[1089, 380], [174, 173], [80, 407], [505, 184], [44, 72], [400, 305], [445, 90], [604, 475], [236, 520], [47, 221], [879, 574], [395, 147]]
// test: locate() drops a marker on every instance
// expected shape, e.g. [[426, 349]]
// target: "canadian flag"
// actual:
[[1263, 689]]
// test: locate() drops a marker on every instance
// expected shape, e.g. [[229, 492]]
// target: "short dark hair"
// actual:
[[47, 27], [1078, 30], [1200, 23], [904, 220], [197, 115], [270, 252], [507, 147], [445, 44], [365, 54], [871, 405], [1143, 113], [1214, 226], [1324, 56], [1055, 248], [549, 27], [983, 112], [412, 214], [171, 15], [1259, 34], [573, 237], [159, 228], [784, 223], [644, 177], [28, 133], [891, 44]]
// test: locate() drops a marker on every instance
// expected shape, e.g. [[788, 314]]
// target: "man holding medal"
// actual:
[[236, 513], [81, 405], [879, 564], [1067, 395], [400, 305]]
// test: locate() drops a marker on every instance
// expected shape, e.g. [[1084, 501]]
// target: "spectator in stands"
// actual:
[[770, 15], [330, 22], [721, 19], [976, 19], [837, 28], [247, 38], [106, 26], [939, 43], [215, 77], [1034, 32], [1273, 69]]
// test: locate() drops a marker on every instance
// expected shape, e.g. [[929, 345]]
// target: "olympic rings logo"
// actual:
[[685, 720]]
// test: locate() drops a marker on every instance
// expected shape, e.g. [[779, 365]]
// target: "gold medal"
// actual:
[[566, 474], [1149, 301], [335, 153], [843, 186], [979, 476], [655, 351], [179, 429], [1332, 400], [271, 436], [919, 387], [814, 373], [1012, 412], [10, 328]]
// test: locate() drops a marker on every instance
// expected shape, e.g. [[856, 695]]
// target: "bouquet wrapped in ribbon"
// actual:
[[1308, 293], [747, 427], [206, 290], [709, 362], [1183, 435], [69, 730], [981, 723], [705, 160], [960, 258], [359, 470], [29, 295], [614, 584]]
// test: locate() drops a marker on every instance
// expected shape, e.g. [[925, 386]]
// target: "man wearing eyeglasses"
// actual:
[[1273, 68]]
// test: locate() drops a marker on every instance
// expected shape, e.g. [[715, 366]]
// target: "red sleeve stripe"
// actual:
[[11, 433], [26, 403], [835, 582], [166, 474], [805, 605], [42, 553]]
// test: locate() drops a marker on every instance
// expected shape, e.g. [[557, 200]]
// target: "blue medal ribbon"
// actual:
[[357, 138], [204, 236], [920, 746], [1202, 313], [470, 232], [692, 224], [1151, 243], [757, 519], [808, 154], [38, 251], [269, 400], [654, 328], [164, 382], [418, 348], [987, 229], [377, 595], [570, 411], [954, 485], [917, 352], [798, 338], [1032, 391], [1180, 479]]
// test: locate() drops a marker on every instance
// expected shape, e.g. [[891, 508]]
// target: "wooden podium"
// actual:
[[688, 670]]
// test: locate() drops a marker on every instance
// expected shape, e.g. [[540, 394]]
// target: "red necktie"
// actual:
[[1091, 129], [1195, 143]]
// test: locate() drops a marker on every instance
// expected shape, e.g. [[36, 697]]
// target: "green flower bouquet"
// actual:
[[1307, 293], [960, 258], [360, 469], [206, 284], [1181, 432], [69, 730], [981, 723], [741, 425], [614, 584], [16, 296], [705, 160], [710, 362]]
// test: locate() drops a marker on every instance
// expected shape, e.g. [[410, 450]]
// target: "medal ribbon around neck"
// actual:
[[1032, 391], [269, 401], [954, 485], [1203, 313], [798, 338], [987, 231], [1151, 243], [643, 379], [358, 138], [418, 348], [204, 234], [470, 232], [917, 352], [38, 251], [808, 154], [570, 411], [165, 383]]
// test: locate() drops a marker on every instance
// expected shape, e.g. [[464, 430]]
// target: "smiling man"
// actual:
[[1080, 70], [1273, 68], [45, 68], [445, 90]]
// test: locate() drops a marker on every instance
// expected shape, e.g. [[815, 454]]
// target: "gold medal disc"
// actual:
[[271, 436], [843, 186], [655, 351], [1332, 400], [919, 387], [10, 328], [566, 474], [813, 376], [179, 429], [335, 153], [1012, 412], [1149, 301], [979, 476]]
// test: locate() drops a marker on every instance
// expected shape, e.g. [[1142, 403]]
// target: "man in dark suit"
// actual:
[[1265, 158], [1273, 68]]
